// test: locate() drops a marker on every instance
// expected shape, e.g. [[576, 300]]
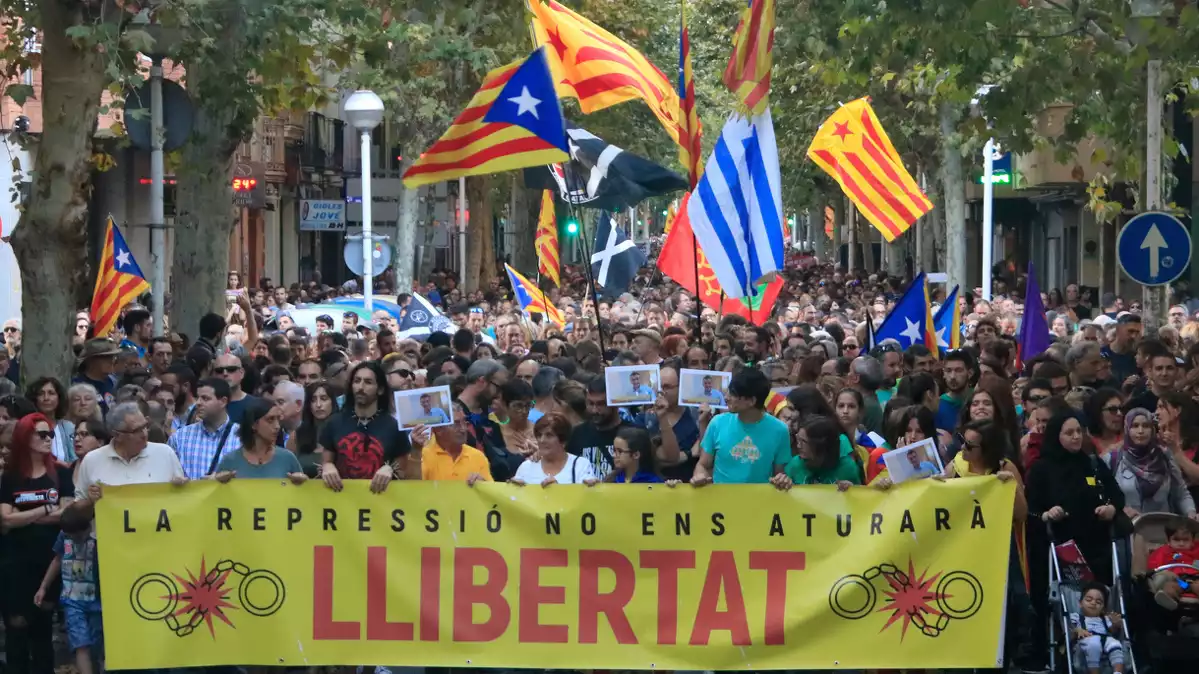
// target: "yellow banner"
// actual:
[[565, 577]]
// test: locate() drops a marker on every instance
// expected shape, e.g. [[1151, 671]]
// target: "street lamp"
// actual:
[[364, 111]]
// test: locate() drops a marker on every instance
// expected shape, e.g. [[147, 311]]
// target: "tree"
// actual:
[[79, 52]]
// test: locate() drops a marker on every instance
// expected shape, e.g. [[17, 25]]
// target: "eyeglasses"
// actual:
[[1114, 409], [12, 329], [406, 374], [229, 369], [133, 431], [520, 405], [46, 435], [1036, 399]]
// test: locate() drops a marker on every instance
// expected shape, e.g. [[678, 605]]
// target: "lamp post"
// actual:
[[990, 154], [364, 111]]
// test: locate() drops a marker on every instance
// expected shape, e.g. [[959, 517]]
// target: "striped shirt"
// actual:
[[196, 447]]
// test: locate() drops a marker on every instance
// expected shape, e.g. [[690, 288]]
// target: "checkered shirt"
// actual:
[[196, 447]]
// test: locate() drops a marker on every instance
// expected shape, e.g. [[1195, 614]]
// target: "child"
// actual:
[[1094, 633], [75, 558], [1171, 580]]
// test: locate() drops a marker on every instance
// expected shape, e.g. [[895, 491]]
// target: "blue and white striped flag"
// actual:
[[736, 210]]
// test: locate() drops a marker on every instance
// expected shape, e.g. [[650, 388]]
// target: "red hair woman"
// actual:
[[33, 492]]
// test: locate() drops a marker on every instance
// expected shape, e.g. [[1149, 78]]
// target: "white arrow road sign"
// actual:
[[1155, 242]]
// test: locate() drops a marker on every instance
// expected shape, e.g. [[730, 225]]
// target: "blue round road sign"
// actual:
[[1154, 248]]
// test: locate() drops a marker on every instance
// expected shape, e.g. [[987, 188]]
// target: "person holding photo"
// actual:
[[429, 415], [746, 445]]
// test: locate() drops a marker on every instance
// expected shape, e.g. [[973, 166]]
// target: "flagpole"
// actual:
[[570, 177]]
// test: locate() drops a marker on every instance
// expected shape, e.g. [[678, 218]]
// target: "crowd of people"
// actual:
[[1098, 429]]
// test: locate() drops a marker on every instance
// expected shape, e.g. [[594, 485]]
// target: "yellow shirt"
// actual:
[[437, 464]]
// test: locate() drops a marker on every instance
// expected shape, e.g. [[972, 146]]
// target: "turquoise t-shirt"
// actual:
[[846, 469], [746, 453]]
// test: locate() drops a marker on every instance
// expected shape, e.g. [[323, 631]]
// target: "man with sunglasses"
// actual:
[[12, 349], [484, 379], [230, 368]]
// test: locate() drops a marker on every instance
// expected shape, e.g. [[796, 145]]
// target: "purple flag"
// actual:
[[1034, 329]]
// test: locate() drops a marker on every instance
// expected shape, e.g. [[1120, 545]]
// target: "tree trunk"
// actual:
[[524, 229], [952, 176], [205, 216], [50, 240], [405, 243], [816, 230], [478, 231]]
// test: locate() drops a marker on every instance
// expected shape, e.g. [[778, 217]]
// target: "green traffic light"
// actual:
[[572, 227]]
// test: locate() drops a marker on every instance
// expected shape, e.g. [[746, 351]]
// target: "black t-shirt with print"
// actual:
[[594, 444], [363, 446], [33, 542]]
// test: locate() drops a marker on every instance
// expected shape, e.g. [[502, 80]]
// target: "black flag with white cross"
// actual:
[[601, 175]]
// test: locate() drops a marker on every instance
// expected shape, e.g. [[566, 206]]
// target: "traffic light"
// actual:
[[572, 227]]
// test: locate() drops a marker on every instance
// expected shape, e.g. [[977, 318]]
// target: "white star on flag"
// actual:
[[123, 259], [912, 332], [525, 102], [941, 338]]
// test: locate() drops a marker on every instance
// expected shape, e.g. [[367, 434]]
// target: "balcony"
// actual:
[[293, 128], [324, 145]]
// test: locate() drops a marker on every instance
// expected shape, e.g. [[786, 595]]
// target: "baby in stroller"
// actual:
[[1097, 635], [1174, 567]]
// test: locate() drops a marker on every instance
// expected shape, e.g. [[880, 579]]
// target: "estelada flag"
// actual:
[[852, 147], [598, 68], [119, 280], [532, 299], [513, 121], [677, 260]]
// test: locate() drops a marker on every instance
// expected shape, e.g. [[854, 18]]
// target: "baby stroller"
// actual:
[[1171, 635], [1068, 573]]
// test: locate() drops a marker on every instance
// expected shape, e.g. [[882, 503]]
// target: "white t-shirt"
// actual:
[[156, 463], [575, 471]]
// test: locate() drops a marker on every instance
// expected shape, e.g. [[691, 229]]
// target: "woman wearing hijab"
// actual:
[[1077, 495], [1146, 472]]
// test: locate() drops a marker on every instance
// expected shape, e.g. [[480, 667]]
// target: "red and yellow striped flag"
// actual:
[[748, 72], [598, 68], [546, 240], [119, 281], [691, 144], [473, 146], [852, 147]]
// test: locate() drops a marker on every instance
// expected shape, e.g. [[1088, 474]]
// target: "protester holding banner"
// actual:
[[320, 404], [258, 457], [824, 457], [746, 445], [553, 464], [363, 440], [633, 453]]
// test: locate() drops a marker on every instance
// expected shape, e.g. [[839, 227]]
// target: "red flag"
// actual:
[[678, 262]]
